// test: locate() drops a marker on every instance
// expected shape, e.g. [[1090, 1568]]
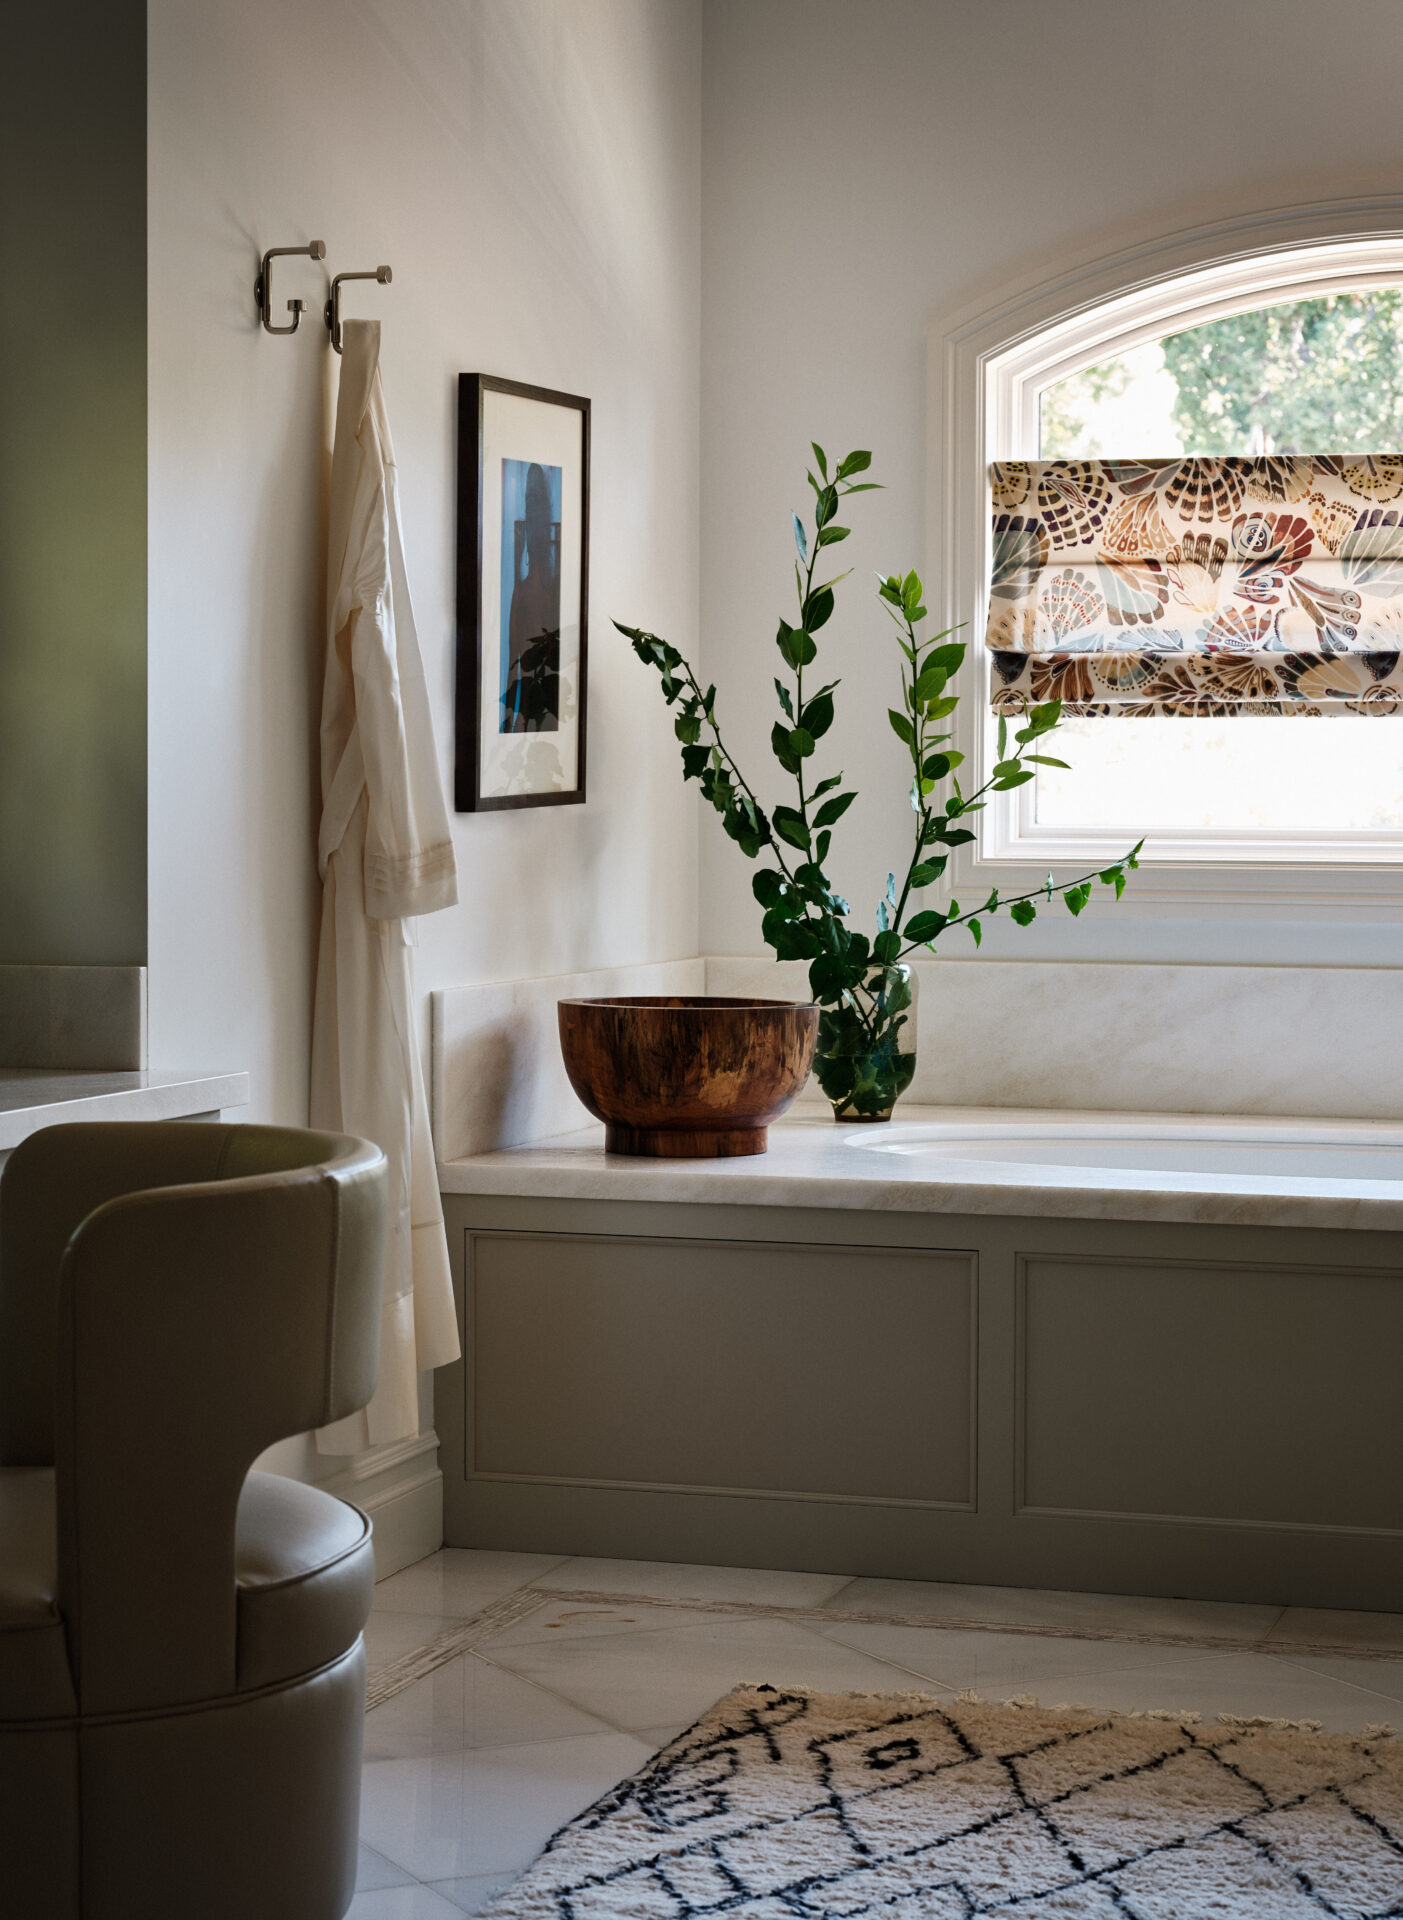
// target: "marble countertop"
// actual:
[[31, 1098], [814, 1163]]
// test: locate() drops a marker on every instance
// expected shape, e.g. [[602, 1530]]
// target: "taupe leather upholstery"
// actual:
[[181, 1670]]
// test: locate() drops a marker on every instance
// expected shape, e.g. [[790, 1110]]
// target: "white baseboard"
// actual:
[[401, 1488]]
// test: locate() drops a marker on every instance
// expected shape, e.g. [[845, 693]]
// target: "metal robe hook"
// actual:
[[263, 285], [333, 305]]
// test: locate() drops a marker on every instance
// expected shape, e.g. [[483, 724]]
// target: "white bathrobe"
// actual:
[[385, 854]]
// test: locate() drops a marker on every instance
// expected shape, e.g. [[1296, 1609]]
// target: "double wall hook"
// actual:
[[333, 305], [263, 285]]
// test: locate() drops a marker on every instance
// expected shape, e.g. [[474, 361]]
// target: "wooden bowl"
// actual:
[[687, 1078]]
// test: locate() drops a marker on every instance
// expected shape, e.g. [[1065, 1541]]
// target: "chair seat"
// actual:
[[306, 1577], [304, 1574], [34, 1679]]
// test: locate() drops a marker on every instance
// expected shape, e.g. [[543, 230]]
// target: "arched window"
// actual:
[[1282, 333]]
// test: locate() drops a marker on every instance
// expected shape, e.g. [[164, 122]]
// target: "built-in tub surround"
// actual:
[[1192, 1168], [1138, 1353]]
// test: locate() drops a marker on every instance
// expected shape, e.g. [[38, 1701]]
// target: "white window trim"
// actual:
[[987, 366]]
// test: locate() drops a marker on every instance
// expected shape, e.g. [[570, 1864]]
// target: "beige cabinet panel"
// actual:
[[1226, 1392], [839, 1373]]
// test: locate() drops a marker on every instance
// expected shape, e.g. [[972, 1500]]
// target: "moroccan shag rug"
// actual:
[[780, 1804]]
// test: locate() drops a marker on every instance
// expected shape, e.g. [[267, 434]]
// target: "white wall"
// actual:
[[866, 167], [531, 171]]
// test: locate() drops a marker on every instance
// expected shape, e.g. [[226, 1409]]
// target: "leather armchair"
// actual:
[[182, 1678]]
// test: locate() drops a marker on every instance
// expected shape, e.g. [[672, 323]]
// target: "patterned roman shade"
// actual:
[[1196, 586]]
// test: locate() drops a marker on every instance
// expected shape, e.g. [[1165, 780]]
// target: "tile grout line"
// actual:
[[1231, 1643], [398, 1675]]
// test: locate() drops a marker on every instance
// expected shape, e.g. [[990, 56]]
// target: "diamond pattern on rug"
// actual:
[[780, 1804]]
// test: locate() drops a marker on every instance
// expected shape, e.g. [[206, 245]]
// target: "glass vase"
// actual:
[[866, 1052]]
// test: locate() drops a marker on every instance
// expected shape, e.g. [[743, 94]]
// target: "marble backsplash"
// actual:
[[1131, 1037], [1118, 1037], [498, 1078]]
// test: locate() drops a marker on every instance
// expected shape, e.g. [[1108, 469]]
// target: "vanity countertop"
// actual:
[[31, 1098], [814, 1163]]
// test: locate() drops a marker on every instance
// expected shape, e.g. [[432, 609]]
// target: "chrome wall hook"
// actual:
[[263, 285], [333, 305]]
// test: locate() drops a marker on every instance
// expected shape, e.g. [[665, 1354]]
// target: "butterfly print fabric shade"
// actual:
[[1197, 586]]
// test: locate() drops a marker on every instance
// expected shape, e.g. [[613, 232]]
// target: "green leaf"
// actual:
[[796, 646], [769, 887], [1003, 737], [1046, 760], [930, 684], [693, 760], [782, 750], [741, 827], [826, 507], [1023, 912], [938, 709], [1076, 898], [784, 698], [855, 463], [828, 975], [1011, 780], [948, 658], [865, 486], [821, 457], [789, 825], [959, 838], [817, 716], [791, 939], [928, 870], [829, 536], [817, 609], [821, 846], [936, 766], [886, 947], [801, 539], [802, 742], [925, 926], [901, 726], [976, 930], [826, 786], [834, 809]]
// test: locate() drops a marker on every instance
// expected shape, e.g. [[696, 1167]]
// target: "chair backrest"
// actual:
[[55, 1180], [174, 1297]]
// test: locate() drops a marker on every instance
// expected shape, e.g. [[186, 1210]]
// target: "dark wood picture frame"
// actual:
[[473, 553]]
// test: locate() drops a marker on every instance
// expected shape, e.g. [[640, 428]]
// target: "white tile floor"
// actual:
[[469, 1771]]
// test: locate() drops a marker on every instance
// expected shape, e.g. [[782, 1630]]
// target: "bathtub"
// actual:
[[1186, 1155], [1137, 1353]]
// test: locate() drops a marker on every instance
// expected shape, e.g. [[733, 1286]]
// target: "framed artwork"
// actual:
[[523, 587]]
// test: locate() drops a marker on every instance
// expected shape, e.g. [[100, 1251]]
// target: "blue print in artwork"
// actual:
[[530, 597]]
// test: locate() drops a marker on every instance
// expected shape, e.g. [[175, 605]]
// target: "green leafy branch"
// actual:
[[928, 666], [803, 917]]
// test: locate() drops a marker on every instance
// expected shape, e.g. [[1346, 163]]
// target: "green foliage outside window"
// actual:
[[1309, 376]]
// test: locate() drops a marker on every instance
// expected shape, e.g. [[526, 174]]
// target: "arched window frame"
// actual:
[[987, 368]]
